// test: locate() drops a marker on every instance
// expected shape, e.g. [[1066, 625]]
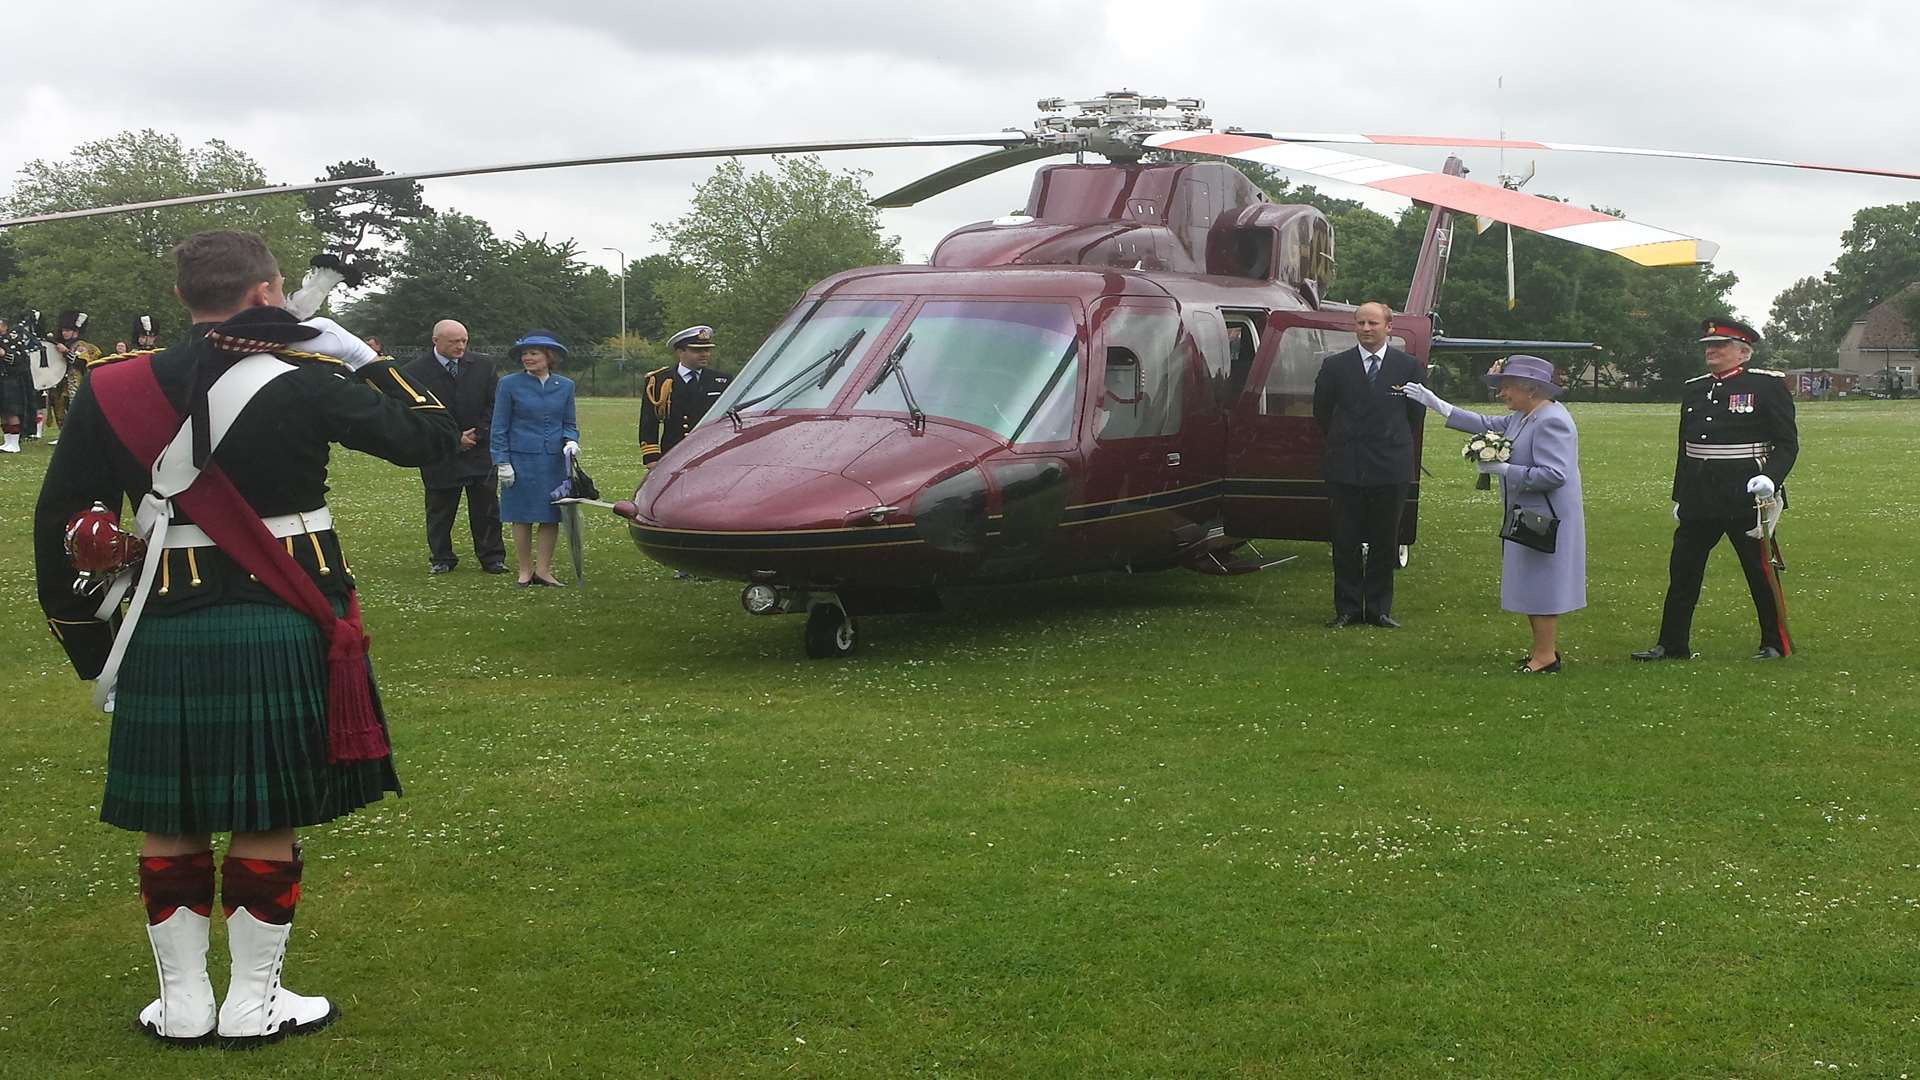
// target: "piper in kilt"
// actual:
[[241, 696]]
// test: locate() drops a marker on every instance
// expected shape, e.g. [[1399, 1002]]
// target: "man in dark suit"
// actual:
[[1369, 463], [466, 384]]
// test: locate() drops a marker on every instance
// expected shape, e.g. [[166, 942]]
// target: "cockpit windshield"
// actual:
[[1010, 367], [801, 366]]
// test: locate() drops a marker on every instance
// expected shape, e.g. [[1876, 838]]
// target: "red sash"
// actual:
[[145, 422]]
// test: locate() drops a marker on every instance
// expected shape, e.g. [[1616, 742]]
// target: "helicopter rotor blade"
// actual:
[[1644, 244], [966, 171], [997, 138], [1581, 148]]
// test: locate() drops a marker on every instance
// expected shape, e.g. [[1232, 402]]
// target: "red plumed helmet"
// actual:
[[99, 548]]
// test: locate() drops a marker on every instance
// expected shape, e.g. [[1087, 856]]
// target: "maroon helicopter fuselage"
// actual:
[[1121, 377]]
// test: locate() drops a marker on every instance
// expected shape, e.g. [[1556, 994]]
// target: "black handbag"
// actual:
[[1532, 529]]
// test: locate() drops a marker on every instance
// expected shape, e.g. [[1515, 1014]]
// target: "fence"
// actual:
[[595, 371]]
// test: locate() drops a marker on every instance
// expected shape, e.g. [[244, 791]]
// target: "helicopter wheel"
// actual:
[[831, 633], [1406, 555]]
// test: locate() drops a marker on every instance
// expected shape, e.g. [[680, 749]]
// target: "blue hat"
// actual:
[[1524, 367], [693, 337], [541, 339]]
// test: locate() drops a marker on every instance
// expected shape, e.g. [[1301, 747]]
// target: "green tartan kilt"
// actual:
[[219, 725]]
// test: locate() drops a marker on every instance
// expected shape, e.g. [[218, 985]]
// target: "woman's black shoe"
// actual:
[[1527, 668]]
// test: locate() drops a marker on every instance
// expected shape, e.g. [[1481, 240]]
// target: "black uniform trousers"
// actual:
[[1365, 514], [483, 519], [1693, 541]]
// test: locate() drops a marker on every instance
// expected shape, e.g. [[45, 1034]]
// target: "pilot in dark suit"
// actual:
[[675, 397], [466, 384], [1369, 463], [1738, 441]]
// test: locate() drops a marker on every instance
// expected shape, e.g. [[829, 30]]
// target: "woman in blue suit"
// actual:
[[533, 431], [1543, 475]]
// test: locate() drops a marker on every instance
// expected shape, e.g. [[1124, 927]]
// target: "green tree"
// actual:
[[452, 266], [118, 266], [349, 216], [1799, 325], [1879, 256], [751, 243], [646, 311]]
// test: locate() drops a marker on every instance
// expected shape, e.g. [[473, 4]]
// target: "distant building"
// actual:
[[1880, 344]]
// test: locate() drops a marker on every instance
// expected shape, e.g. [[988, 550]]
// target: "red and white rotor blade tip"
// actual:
[[1644, 244], [1579, 148]]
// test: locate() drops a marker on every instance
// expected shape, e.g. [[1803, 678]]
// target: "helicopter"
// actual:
[[1118, 377]]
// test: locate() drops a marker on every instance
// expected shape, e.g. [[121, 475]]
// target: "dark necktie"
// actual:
[[453, 369], [1373, 371]]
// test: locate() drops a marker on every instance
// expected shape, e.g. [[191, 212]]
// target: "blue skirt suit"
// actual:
[[532, 420], [1546, 466]]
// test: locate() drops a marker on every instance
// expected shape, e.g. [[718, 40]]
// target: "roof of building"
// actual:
[[1885, 327]]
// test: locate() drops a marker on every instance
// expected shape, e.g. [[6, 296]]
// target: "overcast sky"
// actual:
[[436, 83]]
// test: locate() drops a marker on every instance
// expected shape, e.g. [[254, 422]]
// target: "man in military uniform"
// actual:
[[78, 353], [238, 683], [16, 384], [145, 337], [675, 397], [1738, 441]]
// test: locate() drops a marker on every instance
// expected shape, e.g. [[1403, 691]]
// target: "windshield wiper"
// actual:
[[840, 357], [837, 355], [898, 370]]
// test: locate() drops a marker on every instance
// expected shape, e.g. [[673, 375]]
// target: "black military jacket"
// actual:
[[276, 455], [670, 407], [1743, 425]]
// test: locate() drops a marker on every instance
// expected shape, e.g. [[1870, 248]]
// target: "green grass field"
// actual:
[[1148, 826]]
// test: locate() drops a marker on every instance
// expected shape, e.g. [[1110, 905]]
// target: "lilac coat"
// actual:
[[1545, 464]]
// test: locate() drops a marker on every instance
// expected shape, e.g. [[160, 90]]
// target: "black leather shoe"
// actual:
[[440, 568], [495, 568], [1661, 652], [1387, 621], [1768, 652], [1551, 669], [1339, 621]]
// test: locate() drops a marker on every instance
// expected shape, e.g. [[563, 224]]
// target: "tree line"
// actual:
[[750, 242]]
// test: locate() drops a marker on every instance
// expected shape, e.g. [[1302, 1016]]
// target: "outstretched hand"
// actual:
[[1418, 393]]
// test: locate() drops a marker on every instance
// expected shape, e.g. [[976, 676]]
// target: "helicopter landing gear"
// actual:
[[831, 633]]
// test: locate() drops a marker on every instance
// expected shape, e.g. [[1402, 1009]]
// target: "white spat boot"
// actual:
[[258, 1010], [183, 1013]]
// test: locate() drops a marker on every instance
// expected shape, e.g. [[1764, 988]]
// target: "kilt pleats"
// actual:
[[219, 725]]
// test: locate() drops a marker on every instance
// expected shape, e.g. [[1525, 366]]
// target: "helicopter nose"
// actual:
[[758, 498]]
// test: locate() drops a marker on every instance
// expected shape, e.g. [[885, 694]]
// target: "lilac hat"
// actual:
[[1525, 367]]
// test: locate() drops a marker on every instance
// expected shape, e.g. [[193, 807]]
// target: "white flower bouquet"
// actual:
[[1487, 446]]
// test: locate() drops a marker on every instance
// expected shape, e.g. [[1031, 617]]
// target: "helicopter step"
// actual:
[[1214, 563], [1204, 548]]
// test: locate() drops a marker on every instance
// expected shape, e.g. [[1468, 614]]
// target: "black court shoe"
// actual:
[[1661, 652], [1550, 669]]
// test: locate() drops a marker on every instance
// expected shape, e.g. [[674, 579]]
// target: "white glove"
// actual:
[[1493, 468], [1418, 392], [1760, 487], [571, 448], [1676, 511], [108, 707], [505, 472], [335, 341]]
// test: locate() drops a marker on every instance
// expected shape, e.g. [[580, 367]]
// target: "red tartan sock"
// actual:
[[12, 429], [171, 882], [267, 888]]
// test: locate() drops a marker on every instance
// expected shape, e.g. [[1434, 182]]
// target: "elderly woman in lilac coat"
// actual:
[[1543, 475]]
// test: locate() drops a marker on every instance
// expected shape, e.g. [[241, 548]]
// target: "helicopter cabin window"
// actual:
[[1008, 366], [1289, 386], [1143, 373], [1217, 343], [801, 365]]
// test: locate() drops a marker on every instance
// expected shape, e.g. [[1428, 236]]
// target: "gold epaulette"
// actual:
[[117, 357], [297, 354]]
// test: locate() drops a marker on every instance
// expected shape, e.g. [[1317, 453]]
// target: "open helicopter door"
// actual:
[[1273, 480], [1148, 476]]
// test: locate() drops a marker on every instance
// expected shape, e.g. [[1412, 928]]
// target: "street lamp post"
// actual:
[[623, 304]]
